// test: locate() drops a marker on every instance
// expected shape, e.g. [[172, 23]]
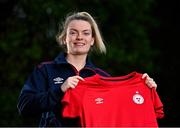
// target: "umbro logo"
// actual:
[[58, 80], [99, 100]]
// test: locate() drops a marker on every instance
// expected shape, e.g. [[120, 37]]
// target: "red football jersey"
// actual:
[[113, 101]]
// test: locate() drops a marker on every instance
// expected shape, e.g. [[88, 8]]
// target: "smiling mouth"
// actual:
[[79, 44]]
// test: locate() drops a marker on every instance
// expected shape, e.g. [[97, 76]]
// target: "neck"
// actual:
[[78, 61]]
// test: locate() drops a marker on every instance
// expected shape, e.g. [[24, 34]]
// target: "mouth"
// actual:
[[79, 44]]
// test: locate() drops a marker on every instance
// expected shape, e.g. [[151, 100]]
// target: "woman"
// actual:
[[43, 90]]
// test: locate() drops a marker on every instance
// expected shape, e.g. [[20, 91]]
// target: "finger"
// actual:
[[151, 83], [75, 80], [79, 78], [149, 79], [147, 82], [155, 85], [73, 84], [144, 75]]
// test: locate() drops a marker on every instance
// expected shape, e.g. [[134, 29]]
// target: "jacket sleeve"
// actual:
[[36, 96]]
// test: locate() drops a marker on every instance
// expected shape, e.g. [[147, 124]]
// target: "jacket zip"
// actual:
[[77, 72]]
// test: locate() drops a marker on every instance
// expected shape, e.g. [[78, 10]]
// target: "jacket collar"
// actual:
[[61, 59]]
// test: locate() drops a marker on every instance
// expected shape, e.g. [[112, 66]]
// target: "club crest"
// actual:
[[137, 98]]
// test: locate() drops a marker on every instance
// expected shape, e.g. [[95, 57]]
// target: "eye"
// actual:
[[72, 32], [87, 33]]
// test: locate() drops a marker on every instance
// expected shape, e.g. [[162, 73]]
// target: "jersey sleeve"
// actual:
[[158, 105], [72, 102]]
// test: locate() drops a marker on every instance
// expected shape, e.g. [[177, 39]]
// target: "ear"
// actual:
[[92, 42], [64, 40]]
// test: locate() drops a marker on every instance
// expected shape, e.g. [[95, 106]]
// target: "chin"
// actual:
[[81, 53]]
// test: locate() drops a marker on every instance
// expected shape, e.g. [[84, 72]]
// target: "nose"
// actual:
[[79, 36]]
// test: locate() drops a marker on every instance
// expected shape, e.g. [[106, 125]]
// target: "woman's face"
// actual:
[[79, 37]]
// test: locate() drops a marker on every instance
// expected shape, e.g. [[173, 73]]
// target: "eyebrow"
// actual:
[[77, 30]]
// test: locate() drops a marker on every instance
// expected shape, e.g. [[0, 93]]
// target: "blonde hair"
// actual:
[[98, 41]]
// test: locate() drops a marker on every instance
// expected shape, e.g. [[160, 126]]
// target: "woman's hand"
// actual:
[[71, 82], [149, 81]]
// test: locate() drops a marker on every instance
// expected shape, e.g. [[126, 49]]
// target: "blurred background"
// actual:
[[140, 36]]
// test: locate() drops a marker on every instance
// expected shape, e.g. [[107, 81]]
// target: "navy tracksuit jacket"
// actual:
[[41, 93]]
